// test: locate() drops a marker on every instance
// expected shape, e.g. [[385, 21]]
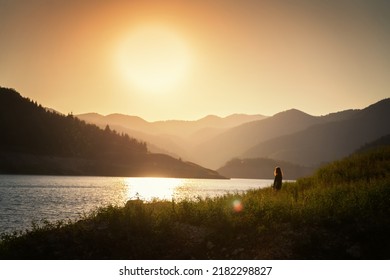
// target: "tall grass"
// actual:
[[341, 212]]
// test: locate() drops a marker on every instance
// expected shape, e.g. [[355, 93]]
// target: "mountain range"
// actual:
[[40, 140], [36, 140], [289, 138], [328, 140]]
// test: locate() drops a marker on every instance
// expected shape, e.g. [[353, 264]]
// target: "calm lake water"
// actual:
[[24, 199]]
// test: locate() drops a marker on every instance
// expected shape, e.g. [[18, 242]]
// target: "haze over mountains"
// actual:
[[175, 137], [291, 137]]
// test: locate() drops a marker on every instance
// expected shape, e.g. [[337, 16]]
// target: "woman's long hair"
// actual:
[[278, 171]]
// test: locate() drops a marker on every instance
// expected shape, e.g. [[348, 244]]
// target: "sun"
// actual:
[[154, 58]]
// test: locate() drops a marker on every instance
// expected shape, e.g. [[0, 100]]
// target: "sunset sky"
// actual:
[[186, 59]]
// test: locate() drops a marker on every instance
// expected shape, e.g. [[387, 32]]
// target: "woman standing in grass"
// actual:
[[278, 178]]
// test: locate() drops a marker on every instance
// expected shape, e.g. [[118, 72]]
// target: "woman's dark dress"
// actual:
[[278, 182]]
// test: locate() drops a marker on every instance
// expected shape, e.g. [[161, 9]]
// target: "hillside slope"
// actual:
[[328, 141]]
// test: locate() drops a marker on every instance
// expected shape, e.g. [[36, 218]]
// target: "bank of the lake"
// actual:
[[341, 212], [25, 199]]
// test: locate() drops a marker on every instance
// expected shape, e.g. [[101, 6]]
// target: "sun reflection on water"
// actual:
[[150, 188]]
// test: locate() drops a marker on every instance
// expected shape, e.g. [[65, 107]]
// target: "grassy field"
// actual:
[[341, 212]]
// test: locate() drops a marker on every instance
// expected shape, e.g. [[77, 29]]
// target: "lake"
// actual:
[[24, 199]]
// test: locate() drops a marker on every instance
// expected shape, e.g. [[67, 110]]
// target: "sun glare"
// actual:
[[149, 188], [154, 58]]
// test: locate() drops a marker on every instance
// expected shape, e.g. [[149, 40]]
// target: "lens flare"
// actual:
[[237, 205]]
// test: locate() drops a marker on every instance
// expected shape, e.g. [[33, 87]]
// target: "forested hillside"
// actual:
[[30, 128]]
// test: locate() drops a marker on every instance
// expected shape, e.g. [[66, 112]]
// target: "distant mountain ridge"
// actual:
[[186, 128], [325, 142], [235, 141], [36, 140], [340, 135]]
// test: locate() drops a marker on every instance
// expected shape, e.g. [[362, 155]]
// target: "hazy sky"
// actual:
[[187, 59]]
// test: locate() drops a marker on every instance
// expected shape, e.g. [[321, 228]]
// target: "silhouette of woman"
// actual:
[[278, 178]]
